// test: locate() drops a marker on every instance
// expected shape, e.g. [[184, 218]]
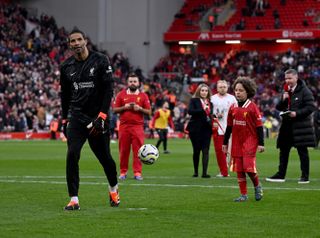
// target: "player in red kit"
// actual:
[[131, 104], [244, 122]]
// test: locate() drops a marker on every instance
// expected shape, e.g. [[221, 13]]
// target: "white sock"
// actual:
[[113, 189], [75, 199]]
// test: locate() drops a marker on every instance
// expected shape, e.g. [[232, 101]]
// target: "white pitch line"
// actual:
[[155, 185], [148, 177]]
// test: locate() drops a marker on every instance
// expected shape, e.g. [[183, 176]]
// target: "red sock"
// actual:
[[254, 178], [242, 182]]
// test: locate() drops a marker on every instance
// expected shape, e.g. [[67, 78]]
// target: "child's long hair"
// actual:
[[248, 84]]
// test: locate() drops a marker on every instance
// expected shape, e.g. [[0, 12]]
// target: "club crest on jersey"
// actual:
[[245, 114], [91, 72], [109, 70], [138, 99], [75, 85]]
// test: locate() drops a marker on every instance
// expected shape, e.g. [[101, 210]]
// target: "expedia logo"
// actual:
[[297, 34]]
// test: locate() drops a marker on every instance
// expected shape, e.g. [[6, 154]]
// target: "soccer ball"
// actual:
[[148, 154]]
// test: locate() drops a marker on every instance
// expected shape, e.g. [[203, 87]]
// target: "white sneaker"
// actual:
[[221, 176]]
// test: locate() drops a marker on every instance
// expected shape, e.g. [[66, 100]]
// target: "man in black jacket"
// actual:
[[86, 92], [296, 127]]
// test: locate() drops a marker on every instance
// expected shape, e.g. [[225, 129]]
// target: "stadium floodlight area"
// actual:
[[232, 41], [283, 40], [186, 42]]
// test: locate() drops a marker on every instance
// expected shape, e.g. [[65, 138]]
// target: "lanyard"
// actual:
[[205, 106]]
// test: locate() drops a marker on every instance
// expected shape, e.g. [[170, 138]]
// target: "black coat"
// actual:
[[298, 131], [199, 126]]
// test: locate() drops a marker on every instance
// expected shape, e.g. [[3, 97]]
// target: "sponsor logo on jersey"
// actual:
[[239, 123], [82, 85]]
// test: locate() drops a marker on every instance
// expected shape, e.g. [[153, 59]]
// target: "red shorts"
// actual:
[[243, 164]]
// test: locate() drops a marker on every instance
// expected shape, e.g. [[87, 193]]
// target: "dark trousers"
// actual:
[[163, 135], [77, 135], [200, 140], [304, 160], [205, 160], [196, 156]]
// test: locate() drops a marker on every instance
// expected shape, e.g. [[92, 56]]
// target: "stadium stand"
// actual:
[[249, 15], [31, 50]]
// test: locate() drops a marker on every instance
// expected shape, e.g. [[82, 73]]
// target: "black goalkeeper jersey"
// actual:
[[86, 87]]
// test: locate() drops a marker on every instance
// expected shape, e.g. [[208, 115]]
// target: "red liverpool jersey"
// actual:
[[131, 117], [244, 121]]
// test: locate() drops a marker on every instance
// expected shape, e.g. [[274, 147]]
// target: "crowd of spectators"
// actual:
[[28, 71], [266, 68], [30, 59], [31, 51]]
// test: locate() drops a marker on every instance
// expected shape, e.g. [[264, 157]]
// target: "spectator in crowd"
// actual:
[[200, 127], [211, 22], [160, 121], [259, 9], [245, 124], [275, 13], [54, 125], [30, 58], [296, 128], [241, 25], [132, 105], [277, 23], [305, 22], [221, 102], [29, 67], [86, 92]]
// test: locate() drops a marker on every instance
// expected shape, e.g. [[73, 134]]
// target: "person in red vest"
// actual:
[[160, 121], [132, 105]]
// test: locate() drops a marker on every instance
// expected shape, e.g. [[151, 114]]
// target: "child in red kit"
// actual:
[[244, 122]]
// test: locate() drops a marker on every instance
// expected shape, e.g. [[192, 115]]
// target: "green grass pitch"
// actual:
[[167, 203]]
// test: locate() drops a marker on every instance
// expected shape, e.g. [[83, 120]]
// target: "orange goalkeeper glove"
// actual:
[[98, 126]]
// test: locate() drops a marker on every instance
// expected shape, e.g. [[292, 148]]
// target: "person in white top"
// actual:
[[221, 103]]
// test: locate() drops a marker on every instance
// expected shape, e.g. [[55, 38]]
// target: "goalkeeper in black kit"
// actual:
[[86, 92]]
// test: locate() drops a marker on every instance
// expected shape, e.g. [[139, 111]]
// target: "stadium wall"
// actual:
[[134, 27]]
